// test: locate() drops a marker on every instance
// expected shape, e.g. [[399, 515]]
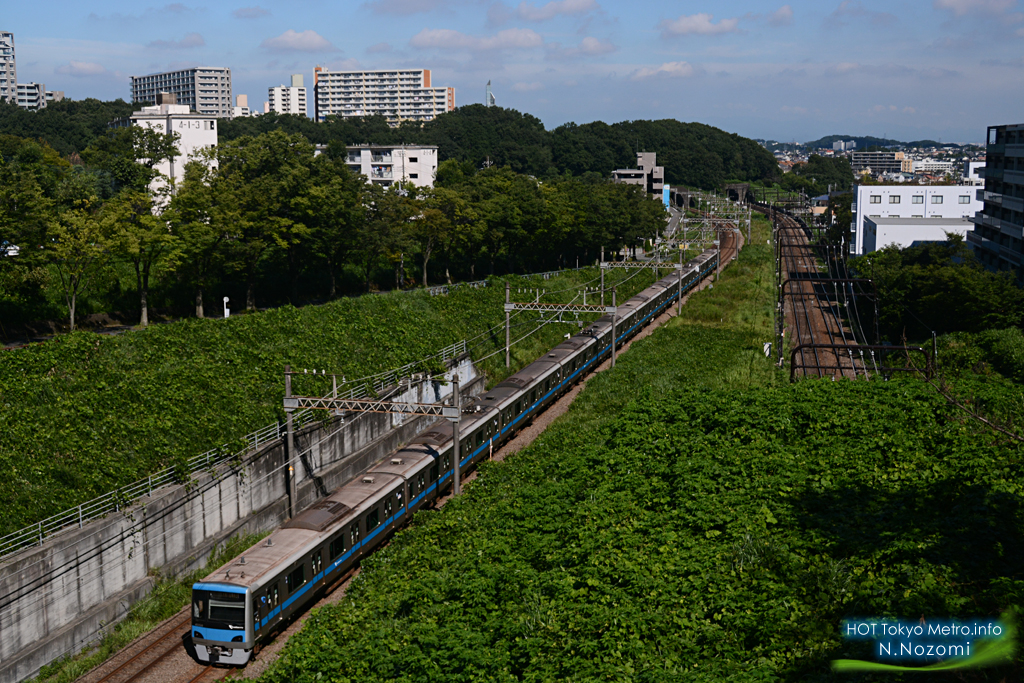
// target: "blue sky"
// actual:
[[787, 69]]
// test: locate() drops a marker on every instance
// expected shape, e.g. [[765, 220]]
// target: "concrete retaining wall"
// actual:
[[57, 598]]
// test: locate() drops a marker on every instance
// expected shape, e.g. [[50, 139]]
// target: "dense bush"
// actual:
[[86, 413], [687, 530]]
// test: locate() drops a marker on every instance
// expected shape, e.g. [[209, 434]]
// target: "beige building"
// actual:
[[647, 173], [399, 95]]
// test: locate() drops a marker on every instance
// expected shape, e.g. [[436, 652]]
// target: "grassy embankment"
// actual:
[[86, 413], [694, 517]]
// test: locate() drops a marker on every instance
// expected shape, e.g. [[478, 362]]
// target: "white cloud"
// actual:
[[781, 17], [446, 38], [250, 12], [293, 41], [190, 40], [668, 69], [696, 24], [529, 12], [81, 69], [527, 87], [962, 7]]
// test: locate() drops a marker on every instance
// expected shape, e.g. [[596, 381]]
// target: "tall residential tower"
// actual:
[[998, 237], [8, 70], [204, 89], [399, 95]]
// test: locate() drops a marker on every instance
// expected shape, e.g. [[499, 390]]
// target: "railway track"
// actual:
[[815, 312], [157, 656]]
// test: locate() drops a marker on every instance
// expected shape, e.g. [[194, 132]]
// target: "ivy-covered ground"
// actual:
[[86, 413], [695, 517]]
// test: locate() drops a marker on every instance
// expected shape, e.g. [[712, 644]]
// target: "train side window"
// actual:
[[354, 534], [337, 547], [399, 495], [434, 472], [373, 519], [447, 460], [317, 562], [387, 506], [296, 579], [420, 483], [274, 595]]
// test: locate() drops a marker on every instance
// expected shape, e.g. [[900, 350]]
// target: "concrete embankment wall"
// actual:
[[57, 598]]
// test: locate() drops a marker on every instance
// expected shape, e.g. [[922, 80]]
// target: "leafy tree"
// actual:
[[386, 231], [130, 154], [201, 231], [140, 236], [262, 191], [68, 126], [78, 247], [334, 211]]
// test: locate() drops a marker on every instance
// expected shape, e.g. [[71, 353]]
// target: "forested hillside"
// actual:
[[693, 154]]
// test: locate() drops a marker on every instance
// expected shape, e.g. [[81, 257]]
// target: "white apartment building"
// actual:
[[971, 173], [32, 96], [933, 166], [204, 89], [288, 99], [905, 214], [400, 94], [387, 164], [195, 132], [8, 68]]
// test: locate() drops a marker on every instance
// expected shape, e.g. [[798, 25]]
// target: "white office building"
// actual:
[[399, 95], [933, 166], [387, 164], [32, 96], [289, 99], [8, 68], [909, 214], [195, 132], [204, 89]]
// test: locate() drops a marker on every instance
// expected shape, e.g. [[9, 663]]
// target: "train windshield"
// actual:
[[217, 609]]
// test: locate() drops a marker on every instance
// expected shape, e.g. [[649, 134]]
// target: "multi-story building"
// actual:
[[999, 227], [881, 162], [933, 166], [195, 131], [288, 100], [844, 145], [971, 173], [647, 174], [241, 107], [204, 89], [387, 164], [905, 214], [8, 68], [32, 96], [400, 94]]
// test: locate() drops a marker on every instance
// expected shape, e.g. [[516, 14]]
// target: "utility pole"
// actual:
[[289, 472], [457, 402], [507, 302], [679, 303], [602, 275], [615, 317]]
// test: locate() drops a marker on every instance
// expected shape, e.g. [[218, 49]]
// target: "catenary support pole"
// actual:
[[602, 276], [615, 319], [679, 302], [507, 301], [289, 471], [457, 402]]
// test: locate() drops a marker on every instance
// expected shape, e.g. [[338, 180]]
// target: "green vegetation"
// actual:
[[694, 517], [274, 223], [168, 598], [86, 413], [938, 287]]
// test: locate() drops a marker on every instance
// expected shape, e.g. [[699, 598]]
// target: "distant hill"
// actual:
[[868, 141]]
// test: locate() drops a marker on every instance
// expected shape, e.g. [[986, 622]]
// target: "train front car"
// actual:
[[222, 623]]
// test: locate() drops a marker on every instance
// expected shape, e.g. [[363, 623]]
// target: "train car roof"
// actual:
[[529, 374]]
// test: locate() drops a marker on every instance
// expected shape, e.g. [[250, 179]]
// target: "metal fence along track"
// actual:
[[125, 496]]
